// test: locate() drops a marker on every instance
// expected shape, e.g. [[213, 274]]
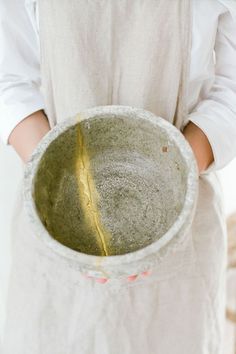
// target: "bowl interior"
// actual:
[[110, 185]]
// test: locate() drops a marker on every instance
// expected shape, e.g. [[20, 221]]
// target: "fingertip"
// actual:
[[101, 280], [132, 277], [87, 276]]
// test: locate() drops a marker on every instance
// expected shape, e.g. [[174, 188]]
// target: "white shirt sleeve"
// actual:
[[215, 114], [20, 79]]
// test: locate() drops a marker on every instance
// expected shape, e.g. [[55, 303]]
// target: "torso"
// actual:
[[205, 21]]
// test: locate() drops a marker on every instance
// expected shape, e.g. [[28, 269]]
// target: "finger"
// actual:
[[87, 276], [146, 273], [132, 277], [101, 280]]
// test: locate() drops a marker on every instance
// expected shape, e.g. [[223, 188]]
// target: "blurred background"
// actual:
[[10, 174]]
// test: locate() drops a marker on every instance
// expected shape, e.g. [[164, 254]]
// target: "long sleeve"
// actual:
[[20, 80], [216, 113]]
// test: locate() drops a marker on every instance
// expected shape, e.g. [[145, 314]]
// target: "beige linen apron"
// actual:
[[127, 52]]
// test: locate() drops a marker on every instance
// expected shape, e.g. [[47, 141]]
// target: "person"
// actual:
[[170, 57]]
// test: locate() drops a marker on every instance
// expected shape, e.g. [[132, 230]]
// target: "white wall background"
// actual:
[[228, 180], [10, 174]]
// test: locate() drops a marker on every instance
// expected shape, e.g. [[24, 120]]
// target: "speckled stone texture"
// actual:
[[112, 181]]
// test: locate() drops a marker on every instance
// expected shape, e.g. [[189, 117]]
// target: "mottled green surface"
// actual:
[[138, 176]]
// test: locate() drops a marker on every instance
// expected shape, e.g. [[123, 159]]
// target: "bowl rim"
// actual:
[[30, 170]]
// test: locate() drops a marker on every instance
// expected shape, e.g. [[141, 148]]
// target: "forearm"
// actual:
[[200, 145], [27, 134]]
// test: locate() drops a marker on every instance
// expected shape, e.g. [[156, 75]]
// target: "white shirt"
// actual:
[[212, 83]]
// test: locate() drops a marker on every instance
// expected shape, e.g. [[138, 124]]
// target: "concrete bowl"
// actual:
[[112, 190]]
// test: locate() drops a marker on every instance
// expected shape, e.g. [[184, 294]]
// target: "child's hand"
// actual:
[[200, 145], [130, 278]]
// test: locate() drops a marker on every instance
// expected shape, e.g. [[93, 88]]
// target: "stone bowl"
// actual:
[[112, 190]]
